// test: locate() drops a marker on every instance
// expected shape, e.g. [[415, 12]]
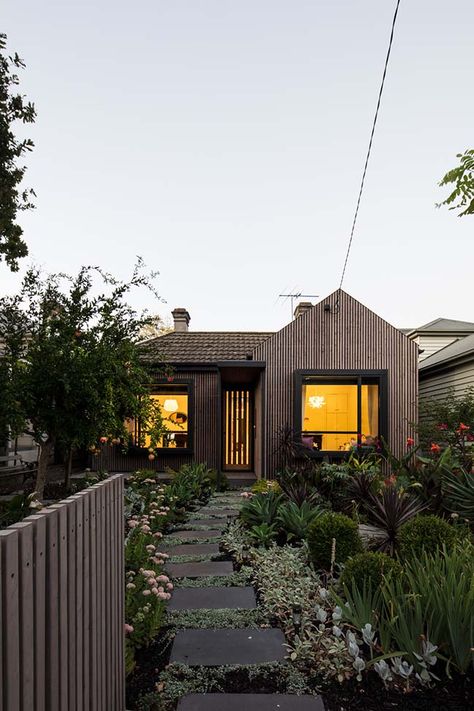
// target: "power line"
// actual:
[[370, 142]]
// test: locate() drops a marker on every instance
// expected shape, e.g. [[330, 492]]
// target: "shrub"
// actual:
[[425, 533], [331, 526], [369, 568], [264, 486]]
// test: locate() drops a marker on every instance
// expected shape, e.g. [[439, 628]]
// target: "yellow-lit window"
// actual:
[[174, 407], [339, 414], [173, 404]]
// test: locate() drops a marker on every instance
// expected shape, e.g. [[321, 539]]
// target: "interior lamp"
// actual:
[[170, 405], [316, 401]]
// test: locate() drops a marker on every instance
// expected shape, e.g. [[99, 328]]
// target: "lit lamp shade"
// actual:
[[170, 405]]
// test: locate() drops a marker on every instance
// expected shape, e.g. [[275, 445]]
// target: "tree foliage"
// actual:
[[13, 108], [462, 197], [72, 364]]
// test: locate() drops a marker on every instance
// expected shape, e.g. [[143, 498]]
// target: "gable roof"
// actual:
[[202, 346], [443, 324], [459, 349]]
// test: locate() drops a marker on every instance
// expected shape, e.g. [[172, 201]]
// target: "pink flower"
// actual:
[[163, 578], [150, 548], [128, 629], [154, 591], [158, 535], [163, 596], [132, 523], [146, 529], [146, 592], [169, 586], [131, 586]]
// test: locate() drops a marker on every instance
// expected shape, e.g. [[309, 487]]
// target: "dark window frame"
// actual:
[[301, 377], [162, 385]]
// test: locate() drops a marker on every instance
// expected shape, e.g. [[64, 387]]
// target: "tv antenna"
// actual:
[[296, 295]]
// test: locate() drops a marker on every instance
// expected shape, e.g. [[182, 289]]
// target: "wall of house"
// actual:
[[432, 344], [349, 337], [457, 379], [205, 425]]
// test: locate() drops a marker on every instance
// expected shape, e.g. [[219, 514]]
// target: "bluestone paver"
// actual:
[[191, 549], [250, 702], [192, 534], [199, 570], [213, 598], [218, 512], [212, 648]]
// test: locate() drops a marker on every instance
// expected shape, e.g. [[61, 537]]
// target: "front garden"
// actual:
[[366, 566]]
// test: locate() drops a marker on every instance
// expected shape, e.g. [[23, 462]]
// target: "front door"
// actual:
[[238, 429]]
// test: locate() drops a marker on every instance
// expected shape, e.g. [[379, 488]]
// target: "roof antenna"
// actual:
[[296, 295]]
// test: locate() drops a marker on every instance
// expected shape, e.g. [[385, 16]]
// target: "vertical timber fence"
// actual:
[[62, 605]]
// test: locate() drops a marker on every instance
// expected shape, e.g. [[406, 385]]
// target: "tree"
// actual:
[[462, 197], [74, 365], [13, 107]]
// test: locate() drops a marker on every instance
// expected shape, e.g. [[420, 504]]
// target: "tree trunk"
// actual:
[[68, 469], [46, 449]]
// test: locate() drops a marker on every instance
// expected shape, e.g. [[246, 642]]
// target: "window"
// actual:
[[174, 403], [335, 412]]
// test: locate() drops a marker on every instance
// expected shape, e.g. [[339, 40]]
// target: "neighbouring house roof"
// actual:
[[448, 325], [202, 346], [462, 348]]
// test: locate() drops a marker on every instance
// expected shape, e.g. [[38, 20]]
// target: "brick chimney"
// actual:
[[181, 320], [302, 308]]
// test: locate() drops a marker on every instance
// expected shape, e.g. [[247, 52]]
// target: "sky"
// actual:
[[223, 141]]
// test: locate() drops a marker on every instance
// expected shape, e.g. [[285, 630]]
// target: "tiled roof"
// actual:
[[458, 349], [202, 347]]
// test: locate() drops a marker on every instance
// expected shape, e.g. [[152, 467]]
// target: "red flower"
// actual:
[[435, 448], [470, 438], [410, 441], [391, 480], [443, 427], [170, 378], [462, 427]]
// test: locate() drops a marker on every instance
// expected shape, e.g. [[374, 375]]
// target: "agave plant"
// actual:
[[389, 510], [294, 520], [458, 490], [261, 508], [264, 534]]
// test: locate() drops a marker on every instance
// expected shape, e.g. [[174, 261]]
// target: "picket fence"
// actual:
[[62, 605]]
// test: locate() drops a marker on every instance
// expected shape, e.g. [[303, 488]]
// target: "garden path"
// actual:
[[211, 647]]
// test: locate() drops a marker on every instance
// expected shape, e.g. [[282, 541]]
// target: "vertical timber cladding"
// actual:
[[348, 336]]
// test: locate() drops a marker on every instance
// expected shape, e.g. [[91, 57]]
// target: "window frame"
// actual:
[[380, 377], [156, 389]]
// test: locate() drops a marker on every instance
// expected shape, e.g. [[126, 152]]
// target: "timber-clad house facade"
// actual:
[[338, 376]]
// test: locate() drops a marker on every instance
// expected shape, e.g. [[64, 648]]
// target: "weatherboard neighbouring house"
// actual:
[[338, 374]]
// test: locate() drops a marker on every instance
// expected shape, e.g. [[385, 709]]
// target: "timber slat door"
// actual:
[[238, 429]]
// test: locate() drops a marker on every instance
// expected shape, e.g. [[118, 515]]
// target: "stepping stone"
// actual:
[[218, 513], [192, 549], [199, 569], [193, 534], [213, 598], [213, 648], [210, 522], [250, 702]]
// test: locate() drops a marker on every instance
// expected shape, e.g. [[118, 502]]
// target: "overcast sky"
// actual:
[[223, 141]]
